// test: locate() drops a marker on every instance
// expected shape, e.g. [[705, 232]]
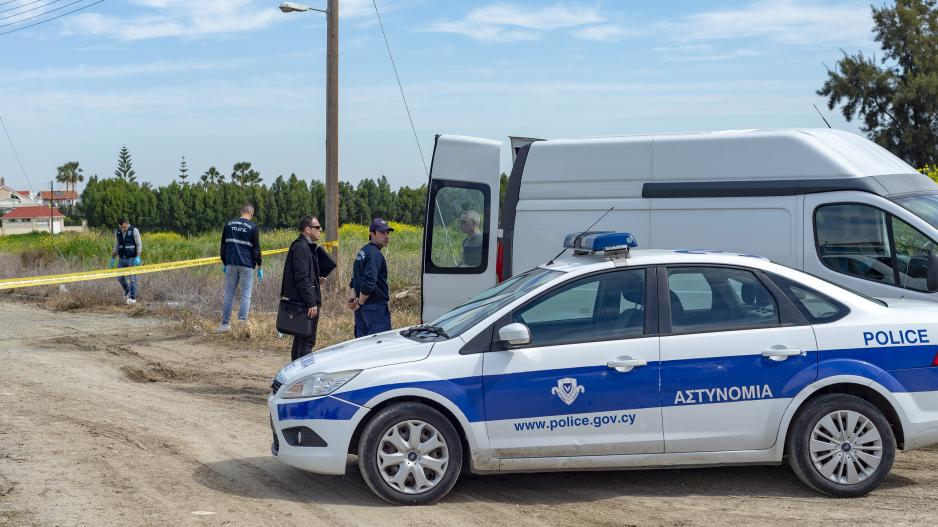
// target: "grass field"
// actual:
[[194, 296]]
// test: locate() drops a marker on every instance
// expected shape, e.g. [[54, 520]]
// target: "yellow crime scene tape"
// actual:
[[33, 281]]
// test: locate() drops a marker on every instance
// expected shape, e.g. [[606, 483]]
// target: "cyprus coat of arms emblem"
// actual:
[[567, 389]]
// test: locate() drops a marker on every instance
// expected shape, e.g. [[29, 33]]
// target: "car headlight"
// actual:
[[318, 384]]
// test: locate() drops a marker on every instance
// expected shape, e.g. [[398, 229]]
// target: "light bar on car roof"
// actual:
[[609, 242]]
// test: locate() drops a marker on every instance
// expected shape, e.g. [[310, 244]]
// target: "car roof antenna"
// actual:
[[822, 116], [581, 234]]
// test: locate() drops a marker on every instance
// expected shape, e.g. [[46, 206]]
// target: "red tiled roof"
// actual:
[[23, 193], [36, 211], [59, 194]]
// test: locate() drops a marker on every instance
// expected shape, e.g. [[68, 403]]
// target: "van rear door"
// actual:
[[459, 244]]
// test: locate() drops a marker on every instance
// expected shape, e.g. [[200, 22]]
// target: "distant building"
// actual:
[[59, 198], [22, 220], [10, 198]]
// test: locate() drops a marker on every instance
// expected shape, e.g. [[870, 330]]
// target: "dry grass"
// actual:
[[193, 297]]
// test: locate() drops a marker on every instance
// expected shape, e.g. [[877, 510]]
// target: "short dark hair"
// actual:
[[306, 221], [247, 208], [122, 220]]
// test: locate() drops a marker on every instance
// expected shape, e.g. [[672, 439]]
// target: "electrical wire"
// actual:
[[21, 6], [16, 154], [28, 10], [8, 2], [401, 87], [46, 13]]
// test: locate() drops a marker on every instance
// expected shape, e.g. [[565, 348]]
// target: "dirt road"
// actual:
[[111, 420]]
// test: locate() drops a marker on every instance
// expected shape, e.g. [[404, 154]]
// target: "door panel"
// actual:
[[459, 252]]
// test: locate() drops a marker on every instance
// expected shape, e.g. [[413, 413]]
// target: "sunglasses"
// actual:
[[316, 227]]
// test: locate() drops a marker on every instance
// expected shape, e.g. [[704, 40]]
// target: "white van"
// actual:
[[824, 201]]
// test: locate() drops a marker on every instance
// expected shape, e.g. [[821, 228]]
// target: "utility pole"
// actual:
[[51, 205], [332, 125]]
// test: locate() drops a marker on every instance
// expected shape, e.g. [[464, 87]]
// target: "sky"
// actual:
[[222, 81]]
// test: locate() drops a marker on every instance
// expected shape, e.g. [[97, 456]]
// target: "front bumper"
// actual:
[[314, 445]]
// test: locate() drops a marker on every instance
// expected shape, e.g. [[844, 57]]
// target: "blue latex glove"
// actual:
[[260, 274], [113, 264], [224, 269], [136, 260]]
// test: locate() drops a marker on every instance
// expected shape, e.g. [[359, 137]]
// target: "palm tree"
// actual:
[[239, 173], [212, 176], [70, 174]]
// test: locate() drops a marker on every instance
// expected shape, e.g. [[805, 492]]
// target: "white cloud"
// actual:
[[704, 53], [605, 32], [115, 71], [188, 18], [784, 21], [506, 22]]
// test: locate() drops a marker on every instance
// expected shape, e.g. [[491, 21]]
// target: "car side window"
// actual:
[[816, 307], [609, 306], [707, 299], [853, 239]]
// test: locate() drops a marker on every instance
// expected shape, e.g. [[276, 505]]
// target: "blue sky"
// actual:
[[222, 81]]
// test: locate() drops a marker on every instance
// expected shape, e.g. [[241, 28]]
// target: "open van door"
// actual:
[[459, 243]]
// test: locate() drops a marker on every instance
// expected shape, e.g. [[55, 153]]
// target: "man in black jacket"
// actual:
[[301, 280]]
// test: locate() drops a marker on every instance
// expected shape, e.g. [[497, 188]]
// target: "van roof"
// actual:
[[790, 161]]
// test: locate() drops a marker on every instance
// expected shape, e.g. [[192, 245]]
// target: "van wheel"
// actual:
[[410, 454], [841, 445]]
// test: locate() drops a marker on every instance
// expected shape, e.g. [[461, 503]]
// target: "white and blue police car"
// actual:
[[611, 360]]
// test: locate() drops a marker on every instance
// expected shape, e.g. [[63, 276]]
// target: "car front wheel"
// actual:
[[841, 445], [410, 454]]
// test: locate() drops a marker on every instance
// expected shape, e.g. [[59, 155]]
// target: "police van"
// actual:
[[613, 359], [825, 201]]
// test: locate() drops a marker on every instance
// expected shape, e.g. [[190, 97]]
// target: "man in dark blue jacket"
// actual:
[[240, 255], [368, 290]]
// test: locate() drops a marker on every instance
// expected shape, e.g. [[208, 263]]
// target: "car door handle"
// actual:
[[780, 353], [626, 365]]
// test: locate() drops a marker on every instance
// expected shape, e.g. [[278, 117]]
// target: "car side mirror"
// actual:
[[931, 283], [514, 335]]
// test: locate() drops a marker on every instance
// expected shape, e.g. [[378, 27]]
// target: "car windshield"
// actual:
[[491, 300], [924, 206]]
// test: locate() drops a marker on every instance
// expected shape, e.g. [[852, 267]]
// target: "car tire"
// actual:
[[414, 438], [841, 445]]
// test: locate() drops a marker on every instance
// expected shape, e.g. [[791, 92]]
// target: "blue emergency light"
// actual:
[[596, 241]]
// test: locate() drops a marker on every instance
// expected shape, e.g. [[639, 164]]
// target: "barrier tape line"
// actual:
[[33, 281]]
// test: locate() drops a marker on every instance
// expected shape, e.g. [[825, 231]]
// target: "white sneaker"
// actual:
[[131, 301], [224, 328]]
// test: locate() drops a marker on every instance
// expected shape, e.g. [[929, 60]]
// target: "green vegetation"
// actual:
[[897, 96]]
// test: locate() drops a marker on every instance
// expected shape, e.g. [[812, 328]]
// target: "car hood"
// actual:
[[373, 351]]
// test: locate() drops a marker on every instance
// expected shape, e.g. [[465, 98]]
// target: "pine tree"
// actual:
[[125, 166], [183, 171]]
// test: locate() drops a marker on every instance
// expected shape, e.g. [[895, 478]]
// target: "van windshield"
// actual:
[[491, 300], [924, 206]]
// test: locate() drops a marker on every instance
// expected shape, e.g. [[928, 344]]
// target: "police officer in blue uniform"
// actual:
[[240, 255], [368, 290], [127, 250]]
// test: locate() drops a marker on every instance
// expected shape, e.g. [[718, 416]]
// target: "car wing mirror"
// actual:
[[514, 335], [932, 277]]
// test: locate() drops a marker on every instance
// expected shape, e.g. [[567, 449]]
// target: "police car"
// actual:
[[610, 359]]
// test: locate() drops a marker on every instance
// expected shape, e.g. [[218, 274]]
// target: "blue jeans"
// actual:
[[130, 289], [235, 274], [371, 319]]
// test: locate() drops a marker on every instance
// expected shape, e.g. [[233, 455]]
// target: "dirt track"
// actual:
[[110, 420]]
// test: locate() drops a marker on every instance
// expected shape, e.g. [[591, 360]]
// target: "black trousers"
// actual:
[[304, 345]]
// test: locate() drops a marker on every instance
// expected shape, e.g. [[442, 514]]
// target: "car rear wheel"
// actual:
[[841, 445], [410, 454]]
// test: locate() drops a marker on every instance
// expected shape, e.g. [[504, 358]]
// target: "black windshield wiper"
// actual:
[[425, 328]]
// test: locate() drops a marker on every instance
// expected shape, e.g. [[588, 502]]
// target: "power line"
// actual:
[[28, 10], [46, 13], [16, 154], [21, 6], [8, 2], [399, 85]]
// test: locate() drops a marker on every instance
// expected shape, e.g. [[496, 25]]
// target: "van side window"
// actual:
[[816, 307], [609, 306], [853, 239], [912, 251], [459, 240], [863, 241], [707, 299]]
